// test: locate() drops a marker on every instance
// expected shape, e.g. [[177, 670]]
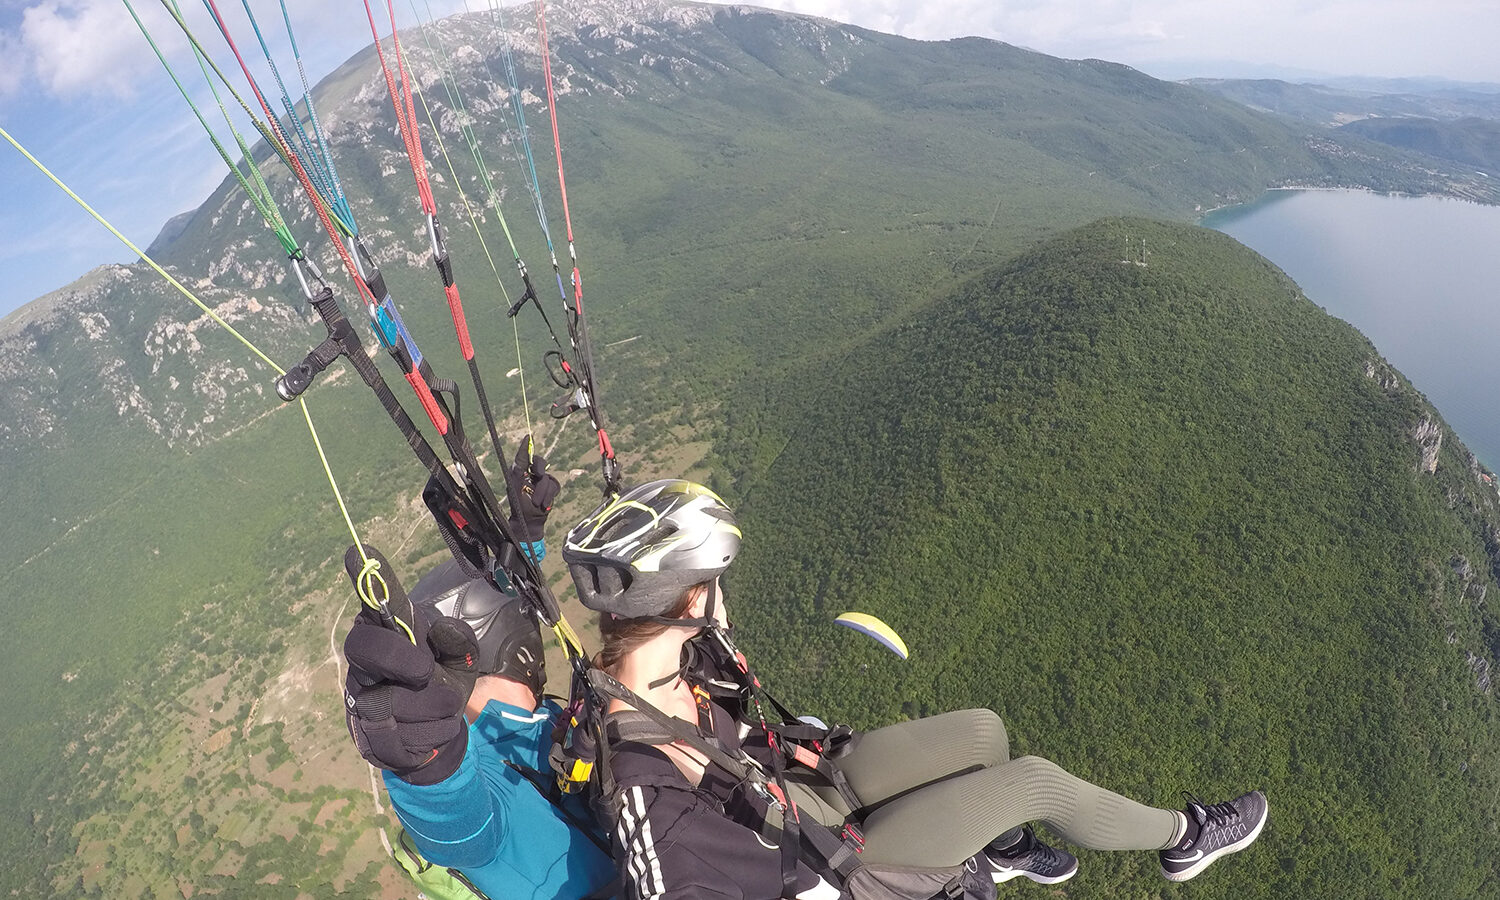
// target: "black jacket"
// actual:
[[678, 840]]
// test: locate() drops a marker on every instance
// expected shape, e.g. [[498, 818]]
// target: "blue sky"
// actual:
[[80, 88]]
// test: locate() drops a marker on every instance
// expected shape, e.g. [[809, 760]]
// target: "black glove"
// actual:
[[532, 493], [404, 701]]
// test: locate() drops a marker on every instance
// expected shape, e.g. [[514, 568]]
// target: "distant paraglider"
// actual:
[[870, 626]]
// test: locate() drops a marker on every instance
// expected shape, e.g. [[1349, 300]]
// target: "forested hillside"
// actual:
[[1175, 524], [1473, 141], [754, 194]]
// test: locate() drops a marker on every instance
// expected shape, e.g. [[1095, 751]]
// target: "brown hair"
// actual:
[[621, 637]]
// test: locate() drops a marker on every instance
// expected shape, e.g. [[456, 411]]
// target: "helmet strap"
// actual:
[[713, 602], [669, 677], [704, 621]]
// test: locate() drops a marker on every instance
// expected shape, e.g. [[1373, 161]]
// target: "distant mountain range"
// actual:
[[1341, 102], [1457, 123], [1471, 140], [761, 200]]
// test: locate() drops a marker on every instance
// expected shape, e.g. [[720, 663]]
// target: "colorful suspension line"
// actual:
[[378, 594], [373, 589], [343, 341], [386, 321], [406, 125], [469, 516], [479, 505], [528, 169], [523, 137], [384, 317], [318, 162], [555, 362], [455, 100], [313, 152], [492, 196], [254, 184], [564, 632], [368, 271], [580, 378]]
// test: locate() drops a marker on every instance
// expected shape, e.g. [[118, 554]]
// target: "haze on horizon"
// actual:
[[82, 90]]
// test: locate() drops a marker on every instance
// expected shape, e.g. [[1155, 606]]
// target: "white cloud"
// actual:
[[13, 63], [1452, 38], [81, 48]]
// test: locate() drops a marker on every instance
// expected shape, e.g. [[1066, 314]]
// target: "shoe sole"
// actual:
[[1002, 877], [1237, 846]]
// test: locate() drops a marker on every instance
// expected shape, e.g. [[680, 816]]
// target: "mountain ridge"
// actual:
[[1345, 101], [754, 196]]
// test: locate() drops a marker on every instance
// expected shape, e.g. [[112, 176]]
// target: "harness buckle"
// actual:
[[852, 837], [770, 794]]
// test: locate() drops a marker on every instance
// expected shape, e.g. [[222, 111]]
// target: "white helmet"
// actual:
[[637, 555]]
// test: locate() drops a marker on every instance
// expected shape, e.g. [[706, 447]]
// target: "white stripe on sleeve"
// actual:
[[640, 846]]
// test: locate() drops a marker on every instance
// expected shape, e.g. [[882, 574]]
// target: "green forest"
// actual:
[[1119, 481], [1168, 518]]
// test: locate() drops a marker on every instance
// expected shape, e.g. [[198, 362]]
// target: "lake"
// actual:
[[1419, 276]]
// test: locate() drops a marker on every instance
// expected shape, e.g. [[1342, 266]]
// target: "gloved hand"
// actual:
[[532, 491], [408, 681]]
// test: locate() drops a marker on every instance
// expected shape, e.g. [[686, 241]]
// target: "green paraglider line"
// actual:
[[523, 136], [338, 495], [578, 331], [259, 193], [474, 220]]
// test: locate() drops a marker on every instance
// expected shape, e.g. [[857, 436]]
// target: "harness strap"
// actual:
[[340, 330], [810, 758], [673, 729], [648, 725], [634, 726], [827, 743]]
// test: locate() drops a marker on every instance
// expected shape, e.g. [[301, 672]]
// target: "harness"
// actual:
[[585, 739]]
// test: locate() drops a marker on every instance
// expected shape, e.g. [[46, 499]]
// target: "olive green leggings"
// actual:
[[941, 788]]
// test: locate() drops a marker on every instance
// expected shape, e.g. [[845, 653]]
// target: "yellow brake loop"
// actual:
[[568, 639], [376, 594], [369, 581]]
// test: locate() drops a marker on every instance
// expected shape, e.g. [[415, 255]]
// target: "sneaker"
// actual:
[[1032, 858], [1223, 828]]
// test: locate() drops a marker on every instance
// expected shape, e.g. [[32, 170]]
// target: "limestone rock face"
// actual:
[[1429, 437]]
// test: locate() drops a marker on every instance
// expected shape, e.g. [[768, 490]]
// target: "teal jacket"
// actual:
[[488, 822]]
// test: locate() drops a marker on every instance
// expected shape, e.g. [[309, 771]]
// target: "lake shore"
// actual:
[[1413, 273]]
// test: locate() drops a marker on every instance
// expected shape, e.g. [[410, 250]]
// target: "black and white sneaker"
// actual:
[[1223, 828], [1031, 858]]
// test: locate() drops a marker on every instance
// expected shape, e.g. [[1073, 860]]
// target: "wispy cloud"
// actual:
[[80, 47], [76, 49], [13, 70], [1453, 38]]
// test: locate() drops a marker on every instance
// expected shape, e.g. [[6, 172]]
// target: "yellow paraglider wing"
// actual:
[[870, 626]]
